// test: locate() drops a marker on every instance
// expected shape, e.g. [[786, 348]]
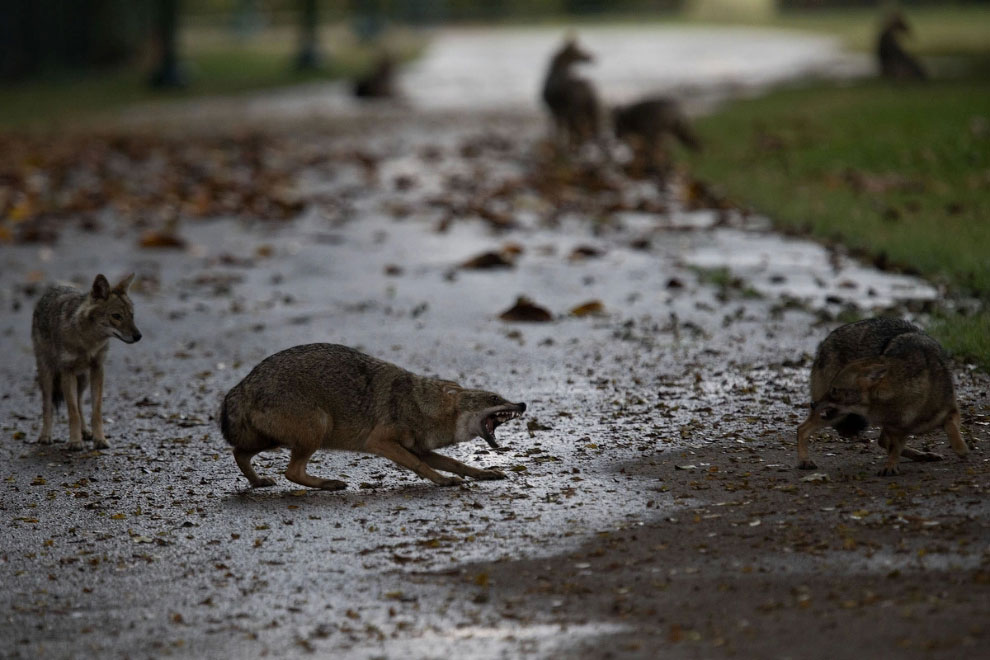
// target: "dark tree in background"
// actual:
[[169, 72], [309, 48], [43, 36]]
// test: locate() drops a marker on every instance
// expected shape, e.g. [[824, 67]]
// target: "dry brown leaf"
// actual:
[[590, 308], [526, 311], [487, 261], [160, 239]]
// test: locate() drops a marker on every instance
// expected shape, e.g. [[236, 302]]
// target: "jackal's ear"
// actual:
[[101, 288], [871, 373], [124, 284]]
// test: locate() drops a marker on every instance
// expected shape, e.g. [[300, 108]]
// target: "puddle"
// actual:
[[777, 266]]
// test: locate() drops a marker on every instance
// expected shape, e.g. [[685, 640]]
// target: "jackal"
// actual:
[[379, 82], [572, 100], [645, 125], [328, 396], [71, 331], [895, 62], [884, 372]]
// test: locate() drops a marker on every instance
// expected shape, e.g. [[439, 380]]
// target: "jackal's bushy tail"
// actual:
[[232, 422], [236, 426]]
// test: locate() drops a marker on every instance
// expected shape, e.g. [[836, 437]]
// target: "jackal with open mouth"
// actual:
[[328, 396]]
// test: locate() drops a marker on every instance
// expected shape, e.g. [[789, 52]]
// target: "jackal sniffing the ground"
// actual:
[[884, 372]]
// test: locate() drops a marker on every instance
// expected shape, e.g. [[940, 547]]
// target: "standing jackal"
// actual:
[[885, 372], [71, 331], [328, 396], [572, 100], [895, 62]]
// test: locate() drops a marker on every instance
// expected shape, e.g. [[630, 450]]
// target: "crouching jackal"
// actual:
[[884, 372], [328, 396], [71, 330]]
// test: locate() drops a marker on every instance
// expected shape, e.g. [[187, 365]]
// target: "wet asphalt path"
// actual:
[[157, 548]]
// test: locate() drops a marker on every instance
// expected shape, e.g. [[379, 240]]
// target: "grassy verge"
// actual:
[[899, 172], [958, 30], [217, 63]]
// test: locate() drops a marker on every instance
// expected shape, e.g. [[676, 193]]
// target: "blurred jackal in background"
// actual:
[[572, 100], [895, 62], [645, 125]]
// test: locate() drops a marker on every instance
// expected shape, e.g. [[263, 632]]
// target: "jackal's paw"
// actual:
[[333, 484], [100, 443], [45, 440], [928, 457], [807, 465], [262, 482], [886, 471], [75, 445], [449, 481], [490, 474]]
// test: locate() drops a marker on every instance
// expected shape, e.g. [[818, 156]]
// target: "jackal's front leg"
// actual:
[[383, 441], [47, 381], [894, 443], [808, 426], [448, 464], [70, 391], [96, 394]]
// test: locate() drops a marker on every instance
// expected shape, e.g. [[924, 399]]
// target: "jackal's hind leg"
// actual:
[[951, 428], [243, 458], [296, 471]]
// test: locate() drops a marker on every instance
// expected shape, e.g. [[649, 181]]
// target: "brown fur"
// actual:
[[890, 374], [895, 62], [71, 331], [328, 396], [572, 100], [379, 82], [645, 125]]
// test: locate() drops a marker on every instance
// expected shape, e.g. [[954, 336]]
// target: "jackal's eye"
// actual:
[[117, 317], [493, 400]]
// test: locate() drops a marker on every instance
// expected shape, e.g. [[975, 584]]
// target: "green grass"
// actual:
[[217, 65], [959, 30], [898, 170]]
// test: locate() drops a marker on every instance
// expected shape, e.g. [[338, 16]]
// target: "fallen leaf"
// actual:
[[487, 261], [525, 310], [590, 308], [156, 239]]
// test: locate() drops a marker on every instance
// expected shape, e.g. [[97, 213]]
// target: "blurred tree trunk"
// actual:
[[39, 36], [309, 49], [169, 73]]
